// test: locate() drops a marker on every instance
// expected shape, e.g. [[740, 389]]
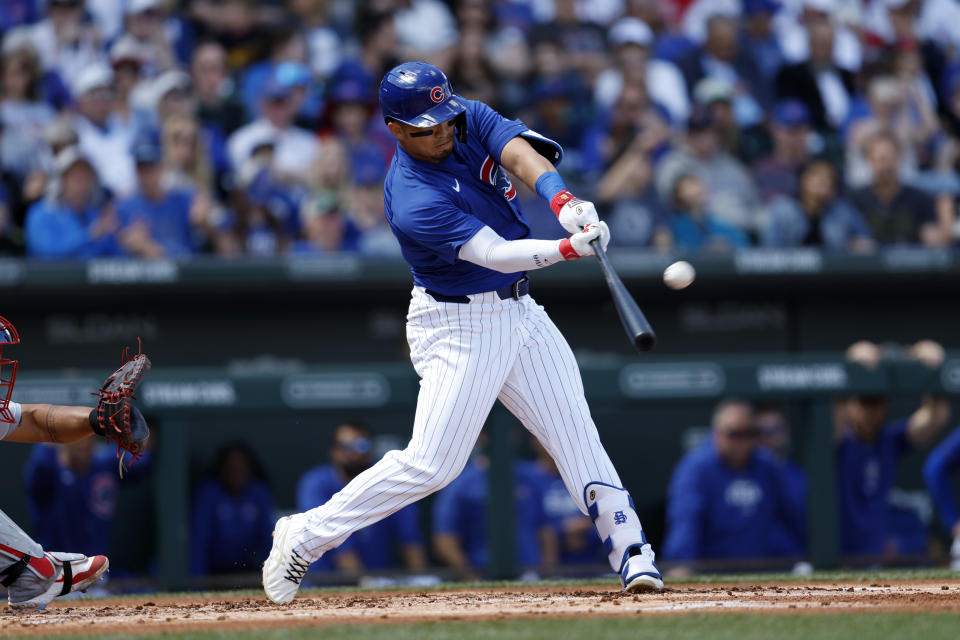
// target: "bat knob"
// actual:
[[645, 342]]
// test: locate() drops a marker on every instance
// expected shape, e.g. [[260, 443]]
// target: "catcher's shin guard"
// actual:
[[22, 561], [630, 555]]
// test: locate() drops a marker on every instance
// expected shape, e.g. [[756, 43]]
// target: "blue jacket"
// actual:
[[944, 461], [865, 475], [788, 225], [461, 509], [716, 512], [74, 512], [376, 545], [230, 533], [54, 231]]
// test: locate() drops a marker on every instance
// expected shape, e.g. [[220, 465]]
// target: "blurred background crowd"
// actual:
[[168, 128], [738, 499]]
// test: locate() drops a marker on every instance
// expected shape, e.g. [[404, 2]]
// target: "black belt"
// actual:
[[513, 291]]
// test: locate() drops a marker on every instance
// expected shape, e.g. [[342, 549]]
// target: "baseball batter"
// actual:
[[33, 577], [475, 334]]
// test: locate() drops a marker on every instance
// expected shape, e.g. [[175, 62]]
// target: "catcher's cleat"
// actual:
[[284, 569], [74, 572], [640, 573]]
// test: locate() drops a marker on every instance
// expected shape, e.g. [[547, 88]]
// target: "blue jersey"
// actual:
[[73, 511], [461, 510], [717, 512], [434, 208], [576, 536], [168, 219], [376, 545], [944, 461], [865, 474], [230, 532]]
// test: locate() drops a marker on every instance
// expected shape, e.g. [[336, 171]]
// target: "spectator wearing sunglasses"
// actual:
[[727, 496], [392, 543]]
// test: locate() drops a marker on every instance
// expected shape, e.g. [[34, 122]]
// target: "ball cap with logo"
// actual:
[[419, 95]]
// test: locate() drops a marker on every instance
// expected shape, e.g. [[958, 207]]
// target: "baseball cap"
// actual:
[[754, 7], [367, 166], [96, 76], [712, 89], [791, 113], [146, 149], [126, 49], [168, 81], [350, 90], [68, 158], [142, 6], [631, 31], [275, 90], [292, 74]]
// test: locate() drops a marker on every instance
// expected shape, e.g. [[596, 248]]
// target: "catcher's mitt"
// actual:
[[117, 417]]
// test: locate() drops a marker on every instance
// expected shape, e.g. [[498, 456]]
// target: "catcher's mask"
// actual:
[[8, 368]]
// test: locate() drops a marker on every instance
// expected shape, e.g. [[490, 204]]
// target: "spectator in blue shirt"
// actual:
[[939, 472], [391, 543], [693, 227], [460, 532], [72, 222], [869, 449], [233, 515], [728, 497], [156, 220]]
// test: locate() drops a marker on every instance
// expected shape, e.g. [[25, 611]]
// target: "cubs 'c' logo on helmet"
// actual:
[[436, 94]]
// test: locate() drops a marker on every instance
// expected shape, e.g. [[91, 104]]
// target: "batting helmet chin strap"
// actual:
[[611, 509]]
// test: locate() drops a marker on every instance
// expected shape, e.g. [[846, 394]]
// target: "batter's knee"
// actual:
[[431, 477]]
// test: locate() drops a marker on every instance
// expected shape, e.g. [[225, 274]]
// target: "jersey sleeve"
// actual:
[[896, 433], [937, 471], [408, 525], [6, 428], [492, 129], [446, 509], [438, 226]]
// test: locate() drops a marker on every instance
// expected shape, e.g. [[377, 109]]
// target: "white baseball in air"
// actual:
[[679, 275]]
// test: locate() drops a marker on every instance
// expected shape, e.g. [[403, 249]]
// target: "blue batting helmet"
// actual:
[[419, 94]]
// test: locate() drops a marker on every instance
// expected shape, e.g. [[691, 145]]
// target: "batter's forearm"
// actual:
[[489, 250], [522, 160], [52, 423]]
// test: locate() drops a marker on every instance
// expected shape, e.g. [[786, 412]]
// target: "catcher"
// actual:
[[33, 577]]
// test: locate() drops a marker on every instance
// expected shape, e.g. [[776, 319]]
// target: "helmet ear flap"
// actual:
[[460, 126]]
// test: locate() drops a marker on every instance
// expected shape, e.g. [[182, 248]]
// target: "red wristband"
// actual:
[[567, 250], [557, 201]]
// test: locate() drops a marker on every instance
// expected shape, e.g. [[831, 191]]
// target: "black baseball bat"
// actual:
[[638, 329]]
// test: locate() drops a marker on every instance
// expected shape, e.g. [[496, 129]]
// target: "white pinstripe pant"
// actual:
[[468, 356]]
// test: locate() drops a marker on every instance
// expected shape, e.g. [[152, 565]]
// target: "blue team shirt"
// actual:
[[716, 512], [943, 461], [230, 532], [377, 544], [461, 509], [54, 231], [435, 208], [558, 507], [168, 219], [865, 475], [71, 511]]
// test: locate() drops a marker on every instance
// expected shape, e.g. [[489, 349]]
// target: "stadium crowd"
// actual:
[[169, 128]]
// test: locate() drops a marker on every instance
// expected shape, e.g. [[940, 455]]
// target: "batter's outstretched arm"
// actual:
[[52, 423], [488, 249]]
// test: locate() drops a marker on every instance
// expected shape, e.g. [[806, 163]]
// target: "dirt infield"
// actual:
[[222, 613]]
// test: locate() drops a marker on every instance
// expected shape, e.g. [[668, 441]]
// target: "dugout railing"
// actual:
[[184, 401]]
